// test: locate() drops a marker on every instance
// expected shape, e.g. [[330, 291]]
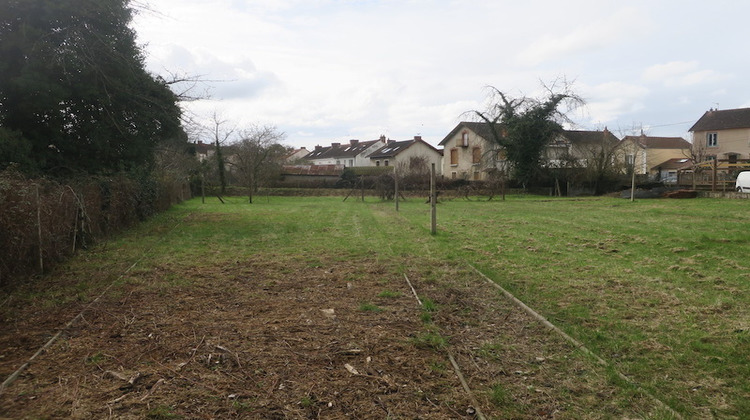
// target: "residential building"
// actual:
[[354, 153], [644, 153], [297, 155], [579, 148], [407, 153], [469, 152], [723, 135]]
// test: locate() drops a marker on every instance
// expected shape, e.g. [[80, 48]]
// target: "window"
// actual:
[[464, 139], [476, 176], [377, 163], [630, 159], [454, 175], [712, 139], [338, 162], [386, 163], [454, 156], [351, 162], [476, 155]]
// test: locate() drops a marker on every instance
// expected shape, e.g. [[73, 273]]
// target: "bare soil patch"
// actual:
[[274, 338]]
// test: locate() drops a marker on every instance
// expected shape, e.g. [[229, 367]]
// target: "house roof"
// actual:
[[590, 137], [312, 170], [723, 120], [395, 147], [675, 163], [342, 151], [648, 142], [481, 128]]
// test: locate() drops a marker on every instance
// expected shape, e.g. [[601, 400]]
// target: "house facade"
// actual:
[[403, 153], [354, 153], [469, 152], [723, 135], [645, 153]]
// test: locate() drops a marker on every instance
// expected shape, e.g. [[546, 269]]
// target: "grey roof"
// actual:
[[590, 137], [674, 163], [395, 147], [341, 151], [481, 128], [648, 142], [723, 120]]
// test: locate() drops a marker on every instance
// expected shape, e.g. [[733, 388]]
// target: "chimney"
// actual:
[[303, 148], [382, 138], [353, 142], [318, 147], [417, 137], [335, 144]]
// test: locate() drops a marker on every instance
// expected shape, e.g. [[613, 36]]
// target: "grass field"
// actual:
[[657, 288]]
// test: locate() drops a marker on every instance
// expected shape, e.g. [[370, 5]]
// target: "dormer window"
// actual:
[[465, 139]]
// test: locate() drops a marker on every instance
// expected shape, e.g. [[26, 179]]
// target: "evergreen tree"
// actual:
[[74, 86]]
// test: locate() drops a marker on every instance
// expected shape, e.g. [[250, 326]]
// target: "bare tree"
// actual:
[[258, 156], [221, 134]]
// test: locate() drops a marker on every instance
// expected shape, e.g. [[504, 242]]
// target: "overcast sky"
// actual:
[[327, 71]]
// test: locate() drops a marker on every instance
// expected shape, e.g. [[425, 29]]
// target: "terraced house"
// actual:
[[354, 153]]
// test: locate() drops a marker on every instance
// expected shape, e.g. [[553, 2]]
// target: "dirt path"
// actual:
[[270, 339]]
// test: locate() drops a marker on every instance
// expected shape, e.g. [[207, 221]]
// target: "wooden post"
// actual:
[[395, 186], [39, 230], [713, 176], [362, 186], [433, 201], [203, 190]]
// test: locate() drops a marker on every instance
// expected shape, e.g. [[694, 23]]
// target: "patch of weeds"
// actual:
[[499, 395], [490, 351], [369, 307], [307, 401], [162, 412], [429, 305], [389, 294], [238, 405], [95, 359], [430, 340], [426, 317], [438, 367]]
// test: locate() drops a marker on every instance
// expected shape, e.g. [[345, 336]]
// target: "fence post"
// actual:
[[433, 201], [395, 186], [39, 229]]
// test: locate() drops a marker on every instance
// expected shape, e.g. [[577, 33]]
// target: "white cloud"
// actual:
[[337, 69], [584, 35], [679, 74]]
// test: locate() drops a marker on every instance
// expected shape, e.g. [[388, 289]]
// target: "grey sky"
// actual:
[[328, 70]]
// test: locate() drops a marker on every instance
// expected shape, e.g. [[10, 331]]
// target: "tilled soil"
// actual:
[[273, 338]]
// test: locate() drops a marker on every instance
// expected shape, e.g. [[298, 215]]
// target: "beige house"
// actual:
[[723, 135], [406, 154], [645, 153], [468, 152]]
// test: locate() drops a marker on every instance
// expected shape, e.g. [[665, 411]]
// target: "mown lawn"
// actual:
[[659, 288]]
